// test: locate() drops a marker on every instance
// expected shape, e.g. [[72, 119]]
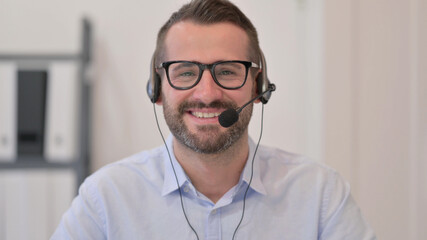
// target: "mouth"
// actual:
[[205, 114]]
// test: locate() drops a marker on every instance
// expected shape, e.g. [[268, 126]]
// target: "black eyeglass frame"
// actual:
[[211, 67]]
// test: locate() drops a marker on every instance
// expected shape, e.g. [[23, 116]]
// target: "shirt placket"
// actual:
[[213, 231]]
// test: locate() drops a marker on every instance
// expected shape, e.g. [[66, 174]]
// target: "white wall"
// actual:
[[350, 77], [375, 109]]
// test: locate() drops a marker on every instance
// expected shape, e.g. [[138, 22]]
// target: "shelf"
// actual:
[[80, 164], [41, 57], [36, 162]]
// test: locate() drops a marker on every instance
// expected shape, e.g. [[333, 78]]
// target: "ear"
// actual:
[[159, 100]]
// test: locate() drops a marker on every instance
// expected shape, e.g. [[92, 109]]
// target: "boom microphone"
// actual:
[[231, 116]]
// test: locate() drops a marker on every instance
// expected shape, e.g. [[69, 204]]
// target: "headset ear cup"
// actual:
[[263, 83], [154, 82], [259, 82], [153, 88]]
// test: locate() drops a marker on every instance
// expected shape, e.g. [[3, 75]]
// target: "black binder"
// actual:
[[31, 112]]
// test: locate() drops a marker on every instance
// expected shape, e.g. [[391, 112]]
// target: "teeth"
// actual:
[[205, 115]]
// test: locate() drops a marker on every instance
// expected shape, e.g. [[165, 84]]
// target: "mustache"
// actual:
[[184, 106]]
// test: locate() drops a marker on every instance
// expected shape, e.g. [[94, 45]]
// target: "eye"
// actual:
[[187, 74], [225, 72]]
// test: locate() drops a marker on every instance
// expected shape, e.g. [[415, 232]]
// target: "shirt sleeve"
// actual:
[[84, 219], [341, 217]]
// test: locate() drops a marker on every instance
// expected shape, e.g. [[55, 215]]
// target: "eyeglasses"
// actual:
[[183, 75]]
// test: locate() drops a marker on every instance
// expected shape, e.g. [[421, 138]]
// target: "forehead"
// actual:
[[187, 40]]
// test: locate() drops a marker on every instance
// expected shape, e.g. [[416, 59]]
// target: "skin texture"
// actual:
[[212, 156]]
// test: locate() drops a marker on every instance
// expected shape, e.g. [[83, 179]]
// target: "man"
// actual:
[[208, 181]]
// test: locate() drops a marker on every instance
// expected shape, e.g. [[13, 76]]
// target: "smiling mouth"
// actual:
[[205, 114]]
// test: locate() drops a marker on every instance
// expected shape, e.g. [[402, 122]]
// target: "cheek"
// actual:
[[250, 90], [171, 96]]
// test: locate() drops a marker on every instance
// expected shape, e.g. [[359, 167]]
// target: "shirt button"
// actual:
[[186, 189], [213, 212]]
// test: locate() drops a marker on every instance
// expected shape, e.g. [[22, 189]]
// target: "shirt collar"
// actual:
[[171, 185]]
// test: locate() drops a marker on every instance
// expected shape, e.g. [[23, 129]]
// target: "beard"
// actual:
[[208, 139]]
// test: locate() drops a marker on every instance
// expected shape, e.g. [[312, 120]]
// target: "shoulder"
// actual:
[[143, 168], [288, 168], [316, 192], [276, 157]]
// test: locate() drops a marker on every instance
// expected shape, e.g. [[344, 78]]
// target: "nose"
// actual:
[[207, 90]]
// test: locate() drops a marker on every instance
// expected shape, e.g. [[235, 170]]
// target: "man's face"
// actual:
[[192, 115]]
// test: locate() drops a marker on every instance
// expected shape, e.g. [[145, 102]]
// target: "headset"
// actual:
[[262, 82]]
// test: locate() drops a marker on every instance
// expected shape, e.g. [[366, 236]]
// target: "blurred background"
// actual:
[[351, 81]]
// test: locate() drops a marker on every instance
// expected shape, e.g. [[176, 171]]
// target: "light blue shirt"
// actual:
[[290, 198]]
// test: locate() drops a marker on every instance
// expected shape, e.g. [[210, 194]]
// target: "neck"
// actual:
[[214, 174]]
